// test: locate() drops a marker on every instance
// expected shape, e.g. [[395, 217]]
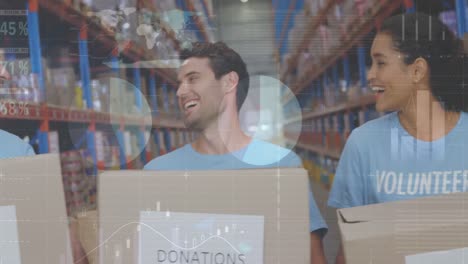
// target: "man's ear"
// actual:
[[230, 82], [419, 70]]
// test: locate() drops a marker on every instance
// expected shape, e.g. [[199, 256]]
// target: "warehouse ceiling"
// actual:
[[248, 29]]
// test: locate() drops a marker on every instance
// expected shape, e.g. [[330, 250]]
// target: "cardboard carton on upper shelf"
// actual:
[[305, 62], [16, 80], [324, 33], [315, 48], [330, 94], [313, 7], [296, 34], [335, 16], [107, 91], [52, 97], [117, 93], [129, 106], [351, 14], [336, 32], [62, 89], [424, 230]]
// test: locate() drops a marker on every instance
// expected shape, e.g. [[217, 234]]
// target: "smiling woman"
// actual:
[[428, 52], [389, 76], [418, 72]]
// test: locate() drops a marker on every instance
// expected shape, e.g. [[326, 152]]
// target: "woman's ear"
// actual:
[[420, 70], [230, 82]]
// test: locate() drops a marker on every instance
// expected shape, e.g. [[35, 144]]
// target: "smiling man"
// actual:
[[213, 84]]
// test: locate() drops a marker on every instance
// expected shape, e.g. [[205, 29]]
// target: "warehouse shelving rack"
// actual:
[[44, 114], [352, 112]]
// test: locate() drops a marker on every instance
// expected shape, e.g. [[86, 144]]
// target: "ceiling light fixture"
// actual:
[[244, 1]]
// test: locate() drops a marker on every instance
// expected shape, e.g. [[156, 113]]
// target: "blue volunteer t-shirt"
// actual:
[[382, 162], [258, 154], [12, 146]]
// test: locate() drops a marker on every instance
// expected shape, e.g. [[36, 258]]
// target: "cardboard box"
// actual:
[[406, 232], [32, 188], [124, 196], [88, 234]]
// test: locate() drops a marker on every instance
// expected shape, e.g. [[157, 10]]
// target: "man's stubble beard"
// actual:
[[200, 124]]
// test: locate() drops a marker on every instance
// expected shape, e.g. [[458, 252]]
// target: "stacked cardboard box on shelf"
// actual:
[[336, 23], [296, 33], [313, 7], [315, 48], [329, 93], [64, 90], [61, 91], [100, 91], [117, 92], [305, 64], [350, 14], [344, 17], [129, 98], [203, 19], [22, 85], [324, 34], [16, 80]]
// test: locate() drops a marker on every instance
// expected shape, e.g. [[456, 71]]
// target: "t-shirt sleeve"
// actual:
[[293, 160], [29, 151], [317, 223], [347, 189], [174, 160], [150, 165]]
